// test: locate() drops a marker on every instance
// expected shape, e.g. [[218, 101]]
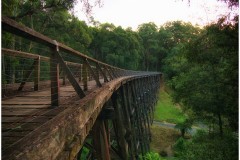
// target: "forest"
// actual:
[[199, 64]]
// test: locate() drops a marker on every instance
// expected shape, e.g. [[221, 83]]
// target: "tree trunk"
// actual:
[[220, 124], [182, 132]]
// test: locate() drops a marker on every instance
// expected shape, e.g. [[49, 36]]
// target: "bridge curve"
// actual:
[[103, 108]]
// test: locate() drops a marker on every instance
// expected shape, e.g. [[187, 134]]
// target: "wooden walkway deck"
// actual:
[[24, 113]]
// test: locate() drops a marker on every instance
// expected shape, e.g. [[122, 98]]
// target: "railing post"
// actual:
[[54, 76], [85, 77], [36, 73], [98, 67], [92, 73], [64, 75], [109, 72], [80, 74]]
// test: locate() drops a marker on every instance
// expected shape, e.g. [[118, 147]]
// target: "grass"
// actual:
[[166, 110]]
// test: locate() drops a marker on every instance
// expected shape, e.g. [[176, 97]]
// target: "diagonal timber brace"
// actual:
[[70, 76]]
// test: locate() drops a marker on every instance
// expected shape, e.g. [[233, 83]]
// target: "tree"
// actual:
[[148, 32], [173, 36], [184, 126], [209, 86], [202, 146]]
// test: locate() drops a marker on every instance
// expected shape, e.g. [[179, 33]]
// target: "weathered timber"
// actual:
[[127, 121], [64, 75], [56, 130], [12, 26], [119, 127], [114, 75], [102, 72], [54, 77], [131, 110], [85, 77], [37, 74], [100, 141], [24, 54], [61, 132], [109, 73], [70, 76], [92, 73]]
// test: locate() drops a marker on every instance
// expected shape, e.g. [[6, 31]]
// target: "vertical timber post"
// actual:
[[100, 141], [54, 76], [127, 120], [120, 129], [64, 75], [80, 74], [36, 74], [85, 77]]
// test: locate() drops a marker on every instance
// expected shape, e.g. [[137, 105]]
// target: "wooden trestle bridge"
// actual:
[[82, 108]]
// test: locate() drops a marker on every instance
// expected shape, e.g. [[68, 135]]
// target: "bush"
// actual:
[[204, 147], [151, 156]]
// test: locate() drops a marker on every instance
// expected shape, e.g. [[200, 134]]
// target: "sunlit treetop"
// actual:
[[16, 9]]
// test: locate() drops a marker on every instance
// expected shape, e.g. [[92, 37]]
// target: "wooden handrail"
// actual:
[[32, 56], [56, 59]]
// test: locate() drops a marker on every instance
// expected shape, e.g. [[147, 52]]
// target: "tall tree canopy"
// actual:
[[209, 82]]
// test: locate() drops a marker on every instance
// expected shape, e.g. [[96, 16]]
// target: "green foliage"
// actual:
[[209, 83], [206, 147], [84, 153], [173, 38], [148, 33], [151, 156], [184, 126], [116, 46]]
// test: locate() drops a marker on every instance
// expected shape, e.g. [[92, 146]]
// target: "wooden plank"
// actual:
[[42, 93], [29, 98], [19, 29], [12, 119], [24, 54], [23, 112], [32, 119], [35, 95], [24, 103], [6, 106], [13, 133], [67, 89], [9, 141], [20, 126]]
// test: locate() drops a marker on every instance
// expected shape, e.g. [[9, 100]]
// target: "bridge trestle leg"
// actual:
[[120, 130], [100, 141]]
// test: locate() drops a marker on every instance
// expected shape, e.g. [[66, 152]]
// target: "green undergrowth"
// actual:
[[166, 110]]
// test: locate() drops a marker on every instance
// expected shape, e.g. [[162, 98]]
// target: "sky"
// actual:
[[131, 13]]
